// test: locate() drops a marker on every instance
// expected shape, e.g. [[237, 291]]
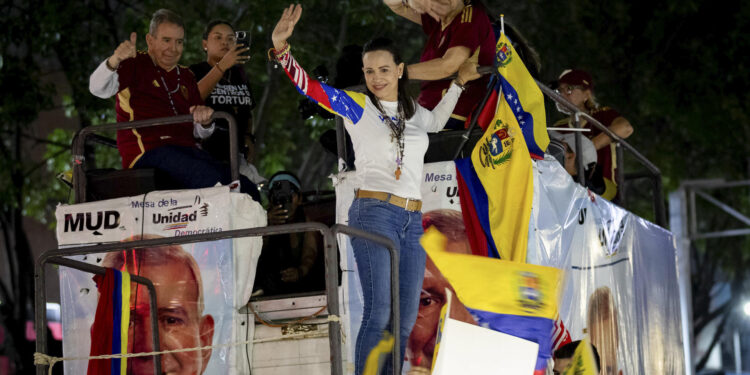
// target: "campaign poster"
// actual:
[[194, 282]]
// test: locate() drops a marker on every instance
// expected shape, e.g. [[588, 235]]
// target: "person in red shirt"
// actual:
[[456, 30], [151, 85], [578, 87]]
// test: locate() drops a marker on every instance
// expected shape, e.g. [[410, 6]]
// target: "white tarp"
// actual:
[[226, 269], [620, 274]]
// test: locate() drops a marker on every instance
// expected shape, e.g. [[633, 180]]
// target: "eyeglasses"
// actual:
[[567, 89]]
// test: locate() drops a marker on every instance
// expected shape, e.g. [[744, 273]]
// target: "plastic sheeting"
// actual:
[[225, 268], [620, 283], [346, 184]]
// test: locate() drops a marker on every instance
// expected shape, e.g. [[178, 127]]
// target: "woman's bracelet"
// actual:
[[218, 67], [274, 54]]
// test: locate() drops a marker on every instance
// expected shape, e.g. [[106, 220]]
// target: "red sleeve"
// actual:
[[465, 33], [347, 104], [428, 24], [607, 115], [126, 72]]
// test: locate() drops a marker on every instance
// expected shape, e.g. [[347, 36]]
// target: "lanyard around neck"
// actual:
[[164, 84]]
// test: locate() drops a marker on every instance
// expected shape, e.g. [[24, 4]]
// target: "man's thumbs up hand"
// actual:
[[124, 51]]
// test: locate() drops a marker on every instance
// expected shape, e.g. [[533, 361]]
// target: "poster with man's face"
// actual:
[[193, 282], [441, 209]]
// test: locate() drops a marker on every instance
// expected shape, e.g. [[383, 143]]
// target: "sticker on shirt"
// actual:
[[393, 118]]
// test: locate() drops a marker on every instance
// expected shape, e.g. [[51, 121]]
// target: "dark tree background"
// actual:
[[677, 69]]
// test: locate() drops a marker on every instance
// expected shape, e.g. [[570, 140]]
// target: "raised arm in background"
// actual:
[[442, 111], [412, 10]]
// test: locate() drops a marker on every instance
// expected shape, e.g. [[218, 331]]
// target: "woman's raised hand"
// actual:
[[285, 26]]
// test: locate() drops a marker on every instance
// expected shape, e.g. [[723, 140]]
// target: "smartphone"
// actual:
[[243, 38]]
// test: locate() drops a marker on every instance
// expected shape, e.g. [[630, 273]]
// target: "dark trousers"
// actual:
[[192, 168]]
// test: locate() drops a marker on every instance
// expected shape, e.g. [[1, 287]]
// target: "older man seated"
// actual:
[[151, 85]]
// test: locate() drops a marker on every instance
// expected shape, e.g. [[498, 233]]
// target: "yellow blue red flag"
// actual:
[[499, 178], [503, 165], [524, 98], [109, 333], [519, 299]]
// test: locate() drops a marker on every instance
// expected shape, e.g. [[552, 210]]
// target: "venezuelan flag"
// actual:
[[521, 93], [109, 333], [473, 200], [502, 164], [497, 184], [515, 298]]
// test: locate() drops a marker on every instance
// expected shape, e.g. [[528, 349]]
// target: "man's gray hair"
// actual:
[[161, 16], [132, 260]]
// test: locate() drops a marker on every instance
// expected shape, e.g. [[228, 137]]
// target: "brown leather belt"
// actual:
[[405, 203]]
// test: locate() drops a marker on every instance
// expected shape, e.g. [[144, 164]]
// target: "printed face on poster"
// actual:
[[441, 209], [193, 282], [611, 261]]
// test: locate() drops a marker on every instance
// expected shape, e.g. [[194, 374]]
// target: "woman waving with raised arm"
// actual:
[[389, 133]]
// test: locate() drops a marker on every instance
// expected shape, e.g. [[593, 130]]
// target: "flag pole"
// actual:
[[475, 117], [502, 24]]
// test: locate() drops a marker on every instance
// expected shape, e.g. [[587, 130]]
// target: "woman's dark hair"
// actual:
[[213, 24], [404, 99]]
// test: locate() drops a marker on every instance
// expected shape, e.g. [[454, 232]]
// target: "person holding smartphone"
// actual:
[[290, 262], [224, 86]]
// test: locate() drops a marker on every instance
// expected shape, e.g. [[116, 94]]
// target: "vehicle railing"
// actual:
[[652, 171], [55, 256], [40, 313], [79, 143], [660, 215], [395, 310]]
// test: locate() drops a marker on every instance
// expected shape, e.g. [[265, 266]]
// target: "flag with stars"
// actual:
[[347, 104], [523, 96], [501, 160], [502, 164], [519, 299]]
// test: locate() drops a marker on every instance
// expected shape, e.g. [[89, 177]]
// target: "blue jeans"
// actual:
[[192, 168], [404, 228]]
